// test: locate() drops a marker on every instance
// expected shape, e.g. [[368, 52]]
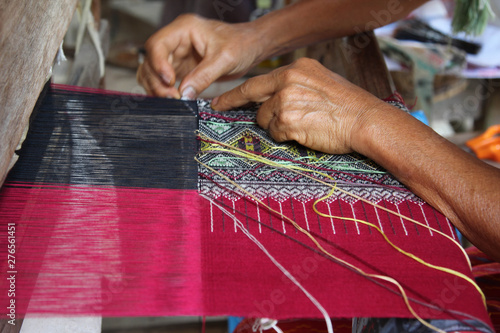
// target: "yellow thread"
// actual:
[[298, 170], [318, 245], [408, 254]]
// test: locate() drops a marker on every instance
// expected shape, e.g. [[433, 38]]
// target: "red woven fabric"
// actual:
[[100, 246], [106, 251], [185, 258], [487, 275], [265, 292]]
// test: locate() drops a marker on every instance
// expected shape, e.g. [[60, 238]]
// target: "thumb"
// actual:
[[202, 76]]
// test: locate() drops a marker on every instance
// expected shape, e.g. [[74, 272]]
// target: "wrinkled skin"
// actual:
[[307, 103], [315, 107], [198, 52]]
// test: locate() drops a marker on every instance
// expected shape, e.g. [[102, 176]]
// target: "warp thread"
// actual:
[[253, 156]]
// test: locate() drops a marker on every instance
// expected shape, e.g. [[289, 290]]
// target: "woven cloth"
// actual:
[[112, 219]]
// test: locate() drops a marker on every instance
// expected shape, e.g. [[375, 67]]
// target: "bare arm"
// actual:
[[200, 51], [310, 21], [315, 107], [459, 185]]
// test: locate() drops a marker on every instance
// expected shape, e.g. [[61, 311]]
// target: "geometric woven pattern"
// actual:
[[263, 195], [238, 129], [119, 219]]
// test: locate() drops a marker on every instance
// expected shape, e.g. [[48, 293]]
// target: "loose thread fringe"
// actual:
[[301, 170]]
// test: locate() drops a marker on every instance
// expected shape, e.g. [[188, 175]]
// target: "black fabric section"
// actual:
[[111, 140]]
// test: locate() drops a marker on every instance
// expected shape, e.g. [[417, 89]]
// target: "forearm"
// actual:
[[463, 188], [307, 103], [311, 21]]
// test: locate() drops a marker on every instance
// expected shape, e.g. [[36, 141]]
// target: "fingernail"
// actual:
[[165, 79], [215, 101], [189, 93]]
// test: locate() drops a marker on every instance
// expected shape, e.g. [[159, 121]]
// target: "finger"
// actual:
[[142, 77], [256, 89], [159, 58], [267, 112], [204, 74], [277, 133], [268, 118], [153, 85]]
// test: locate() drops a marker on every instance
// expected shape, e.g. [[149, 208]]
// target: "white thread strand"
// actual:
[[277, 264], [451, 228], [401, 219], [277, 329], [258, 218], [425, 218], [331, 219], [355, 219], [266, 324], [234, 212], [378, 219], [282, 220], [211, 218], [305, 215]]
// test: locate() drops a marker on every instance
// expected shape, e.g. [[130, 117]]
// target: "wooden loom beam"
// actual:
[[365, 65], [357, 58], [30, 36]]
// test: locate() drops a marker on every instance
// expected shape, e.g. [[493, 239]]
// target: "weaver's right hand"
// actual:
[[198, 52]]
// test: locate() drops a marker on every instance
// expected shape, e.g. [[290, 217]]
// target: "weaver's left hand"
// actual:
[[307, 103]]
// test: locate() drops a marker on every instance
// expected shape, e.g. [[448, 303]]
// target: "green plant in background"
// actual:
[[471, 16]]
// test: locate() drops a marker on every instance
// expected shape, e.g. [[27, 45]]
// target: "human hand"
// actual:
[[307, 103], [197, 51]]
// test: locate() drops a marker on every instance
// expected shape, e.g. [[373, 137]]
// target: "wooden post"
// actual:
[[30, 36], [364, 64], [357, 58]]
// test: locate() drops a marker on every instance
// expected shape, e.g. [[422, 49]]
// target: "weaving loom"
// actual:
[[114, 217], [118, 219]]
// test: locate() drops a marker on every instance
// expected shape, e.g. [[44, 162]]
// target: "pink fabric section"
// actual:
[[109, 251], [265, 292], [138, 252]]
